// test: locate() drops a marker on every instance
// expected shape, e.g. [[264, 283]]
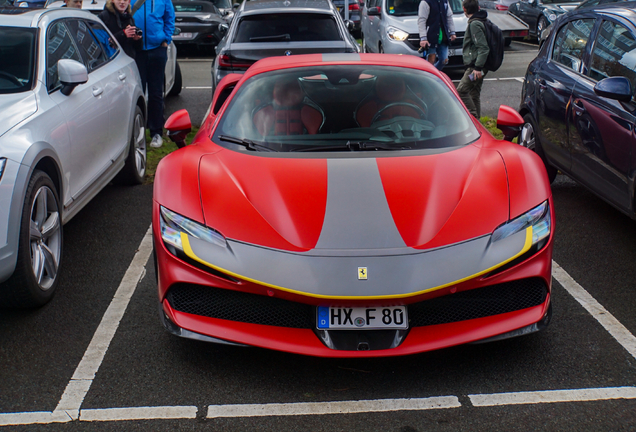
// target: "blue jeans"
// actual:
[[441, 50], [152, 68]]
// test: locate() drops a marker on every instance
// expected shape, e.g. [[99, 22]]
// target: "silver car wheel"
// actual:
[[140, 144], [527, 138], [45, 238]]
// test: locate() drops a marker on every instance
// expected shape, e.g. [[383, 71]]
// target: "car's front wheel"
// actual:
[[36, 274], [529, 139], [178, 81], [134, 170]]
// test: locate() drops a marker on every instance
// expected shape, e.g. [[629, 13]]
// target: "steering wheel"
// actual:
[[11, 78], [404, 104], [405, 127]]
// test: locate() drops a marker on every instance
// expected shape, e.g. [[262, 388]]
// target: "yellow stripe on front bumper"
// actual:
[[190, 253]]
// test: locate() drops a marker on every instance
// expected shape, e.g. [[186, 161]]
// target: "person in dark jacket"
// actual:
[[118, 18], [437, 30], [156, 18], [475, 53]]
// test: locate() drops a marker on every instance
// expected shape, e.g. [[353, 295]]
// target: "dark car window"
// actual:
[[402, 7], [287, 28], [101, 34], [614, 53], [59, 45], [17, 59], [570, 42], [223, 4], [90, 49]]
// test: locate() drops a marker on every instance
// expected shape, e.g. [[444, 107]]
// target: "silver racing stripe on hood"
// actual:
[[357, 214], [336, 276], [340, 57]]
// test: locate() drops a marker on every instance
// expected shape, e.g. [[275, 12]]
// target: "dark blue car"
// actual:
[[578, 102]]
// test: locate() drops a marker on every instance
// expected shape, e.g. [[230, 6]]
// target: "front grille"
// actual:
[[258, 309], [479, 303], [239, 306]]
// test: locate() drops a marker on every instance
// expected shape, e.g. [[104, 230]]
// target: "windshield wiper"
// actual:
[[281, 37], [248, 144], [356, 146]]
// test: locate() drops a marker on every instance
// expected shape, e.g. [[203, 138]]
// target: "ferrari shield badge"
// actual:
[[362, 273]]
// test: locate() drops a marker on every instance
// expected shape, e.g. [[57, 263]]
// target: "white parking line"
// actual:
[[139, 413], [602, 315], [82, 379], [197, 88], [553, 396], [343, 407]]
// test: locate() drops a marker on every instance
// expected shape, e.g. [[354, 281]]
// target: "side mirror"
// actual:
[[374, 11], [618, 88], [349, 25], [509, 122], [179, 126], [71, 73], [235, 6], [223, 28]]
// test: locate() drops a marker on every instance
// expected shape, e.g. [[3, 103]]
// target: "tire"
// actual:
[[529, 139], [381, 49], [134, 170], [178, 81], [36, 275], [541, 24]]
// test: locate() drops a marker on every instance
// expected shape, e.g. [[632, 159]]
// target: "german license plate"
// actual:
[[183, 36], [362, 318]]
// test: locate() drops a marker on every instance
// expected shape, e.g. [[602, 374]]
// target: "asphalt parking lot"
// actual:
[[97, 358]]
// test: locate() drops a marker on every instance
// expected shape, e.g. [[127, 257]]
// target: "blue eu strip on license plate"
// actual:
[[362, 318]]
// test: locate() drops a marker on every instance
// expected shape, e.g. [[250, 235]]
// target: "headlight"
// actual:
[[173, 224], [538, 218], [397, 35], [3, 163], [207, 17]]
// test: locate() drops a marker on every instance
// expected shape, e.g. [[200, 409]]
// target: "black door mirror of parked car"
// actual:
[[235, 6], [618, 88], [223, 28], [374, 11], [349, 24], [71, 73]]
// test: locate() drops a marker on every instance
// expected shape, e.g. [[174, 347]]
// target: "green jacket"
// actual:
[[475, 48]]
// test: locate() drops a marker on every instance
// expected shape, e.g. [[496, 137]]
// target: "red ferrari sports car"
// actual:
[[348, 205]]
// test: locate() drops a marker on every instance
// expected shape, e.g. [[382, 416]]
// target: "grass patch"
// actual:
[[491, 124], [156, 154]]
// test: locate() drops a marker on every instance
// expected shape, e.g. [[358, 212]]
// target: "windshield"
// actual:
[[17, 47], [287, 28], [410, 7], [344, 108]]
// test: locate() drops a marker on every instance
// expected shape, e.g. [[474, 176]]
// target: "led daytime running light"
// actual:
[[538, 218]]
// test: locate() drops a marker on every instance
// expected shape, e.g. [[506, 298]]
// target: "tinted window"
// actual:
[[345, 107], [90, 49], [287, 27], [570, 42], [614, 53], [107, 44], [59, 45], [223, 4], [17, 59]]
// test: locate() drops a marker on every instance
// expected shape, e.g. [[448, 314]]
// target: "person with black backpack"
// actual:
[[475, 52]]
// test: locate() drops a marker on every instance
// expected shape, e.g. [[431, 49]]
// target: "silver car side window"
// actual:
[[89, 47], [59, 45], [570, 43]]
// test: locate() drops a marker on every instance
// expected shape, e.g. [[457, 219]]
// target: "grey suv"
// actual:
[[266, 28]]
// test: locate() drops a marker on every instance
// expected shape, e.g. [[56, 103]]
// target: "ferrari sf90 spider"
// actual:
[[348, 205]]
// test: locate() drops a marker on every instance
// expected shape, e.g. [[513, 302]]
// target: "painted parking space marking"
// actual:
[[343, 407], [602, 315], [553, 396], [69, 407]]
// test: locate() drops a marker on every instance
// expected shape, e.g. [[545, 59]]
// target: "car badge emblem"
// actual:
[[362, 273], [288, 53], [359, 322], [286, 3]]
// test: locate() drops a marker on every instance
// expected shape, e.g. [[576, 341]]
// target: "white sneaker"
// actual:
[[157, 141]]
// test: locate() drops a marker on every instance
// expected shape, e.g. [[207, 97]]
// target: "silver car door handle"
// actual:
[[97, 91], [122, 76]]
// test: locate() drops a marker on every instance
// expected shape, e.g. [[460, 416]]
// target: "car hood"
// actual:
[[16, 107], [354, 203]]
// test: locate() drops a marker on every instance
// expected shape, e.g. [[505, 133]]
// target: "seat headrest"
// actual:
[[288, 93], [390, 89]]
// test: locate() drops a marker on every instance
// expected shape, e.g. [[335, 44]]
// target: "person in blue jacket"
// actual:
[[155, 18]]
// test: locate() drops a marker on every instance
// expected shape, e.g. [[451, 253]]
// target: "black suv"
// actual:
[[265, 28]]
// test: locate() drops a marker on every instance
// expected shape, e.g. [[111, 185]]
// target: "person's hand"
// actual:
[[130, 32], [453, 37], [477, 74], [164, 44], [424, 44]]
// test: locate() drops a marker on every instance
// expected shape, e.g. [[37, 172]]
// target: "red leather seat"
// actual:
[[290, 113], [388, 90]]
